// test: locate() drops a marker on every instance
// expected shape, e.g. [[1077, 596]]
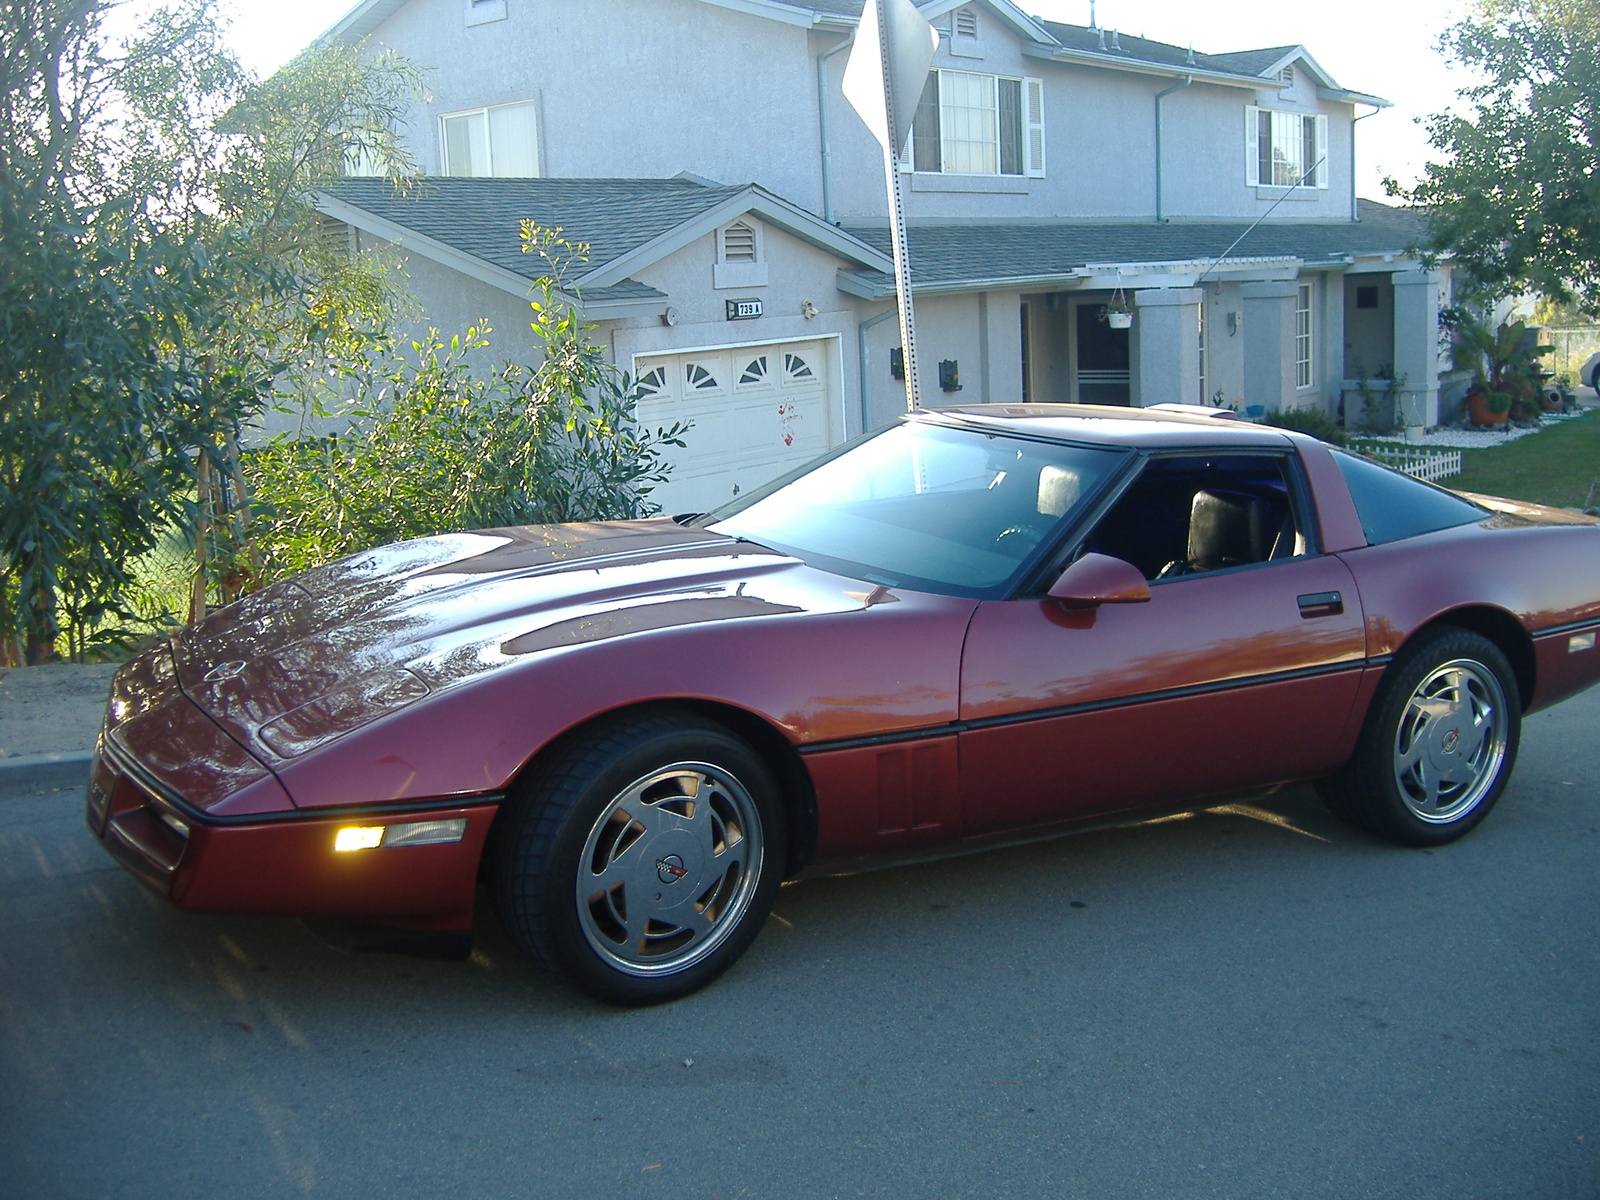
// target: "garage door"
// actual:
[[755, 412]]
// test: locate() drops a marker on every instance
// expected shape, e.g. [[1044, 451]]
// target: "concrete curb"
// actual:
[[58, 769]]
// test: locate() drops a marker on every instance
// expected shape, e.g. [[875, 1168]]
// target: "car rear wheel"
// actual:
[[641, 860], [1438, 744]]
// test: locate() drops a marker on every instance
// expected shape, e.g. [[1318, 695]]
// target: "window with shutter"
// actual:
[[1033, 89], [973, 124], [1285, 149]]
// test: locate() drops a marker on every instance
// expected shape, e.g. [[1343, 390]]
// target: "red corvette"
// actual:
[[979, 624]]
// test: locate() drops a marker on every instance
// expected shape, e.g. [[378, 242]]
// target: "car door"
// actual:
[[1239, 671]]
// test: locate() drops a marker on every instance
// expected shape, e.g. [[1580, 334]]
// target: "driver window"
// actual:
[[1187, 516]]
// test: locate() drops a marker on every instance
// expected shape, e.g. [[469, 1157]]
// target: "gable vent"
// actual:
[[966, 23], [739, 243]]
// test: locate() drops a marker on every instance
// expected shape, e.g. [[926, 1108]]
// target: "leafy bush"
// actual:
[[1317, 422], [433, 446]]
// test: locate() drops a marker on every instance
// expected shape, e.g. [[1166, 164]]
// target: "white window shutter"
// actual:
[[1322, 152], [1033, 127], [1252, 146]]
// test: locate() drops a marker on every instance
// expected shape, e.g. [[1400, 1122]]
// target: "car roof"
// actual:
[[1174, 427]]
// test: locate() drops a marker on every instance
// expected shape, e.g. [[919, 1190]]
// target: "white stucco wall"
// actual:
[[626, 88], [649, 88], [1100, 159]]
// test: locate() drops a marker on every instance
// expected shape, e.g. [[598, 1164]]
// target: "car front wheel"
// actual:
[[643, 857], [1438, 744]]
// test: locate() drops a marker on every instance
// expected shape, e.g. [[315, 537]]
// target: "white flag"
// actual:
[[905, 45]]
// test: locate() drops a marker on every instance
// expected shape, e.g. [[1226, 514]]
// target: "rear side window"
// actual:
[[1393, 506]]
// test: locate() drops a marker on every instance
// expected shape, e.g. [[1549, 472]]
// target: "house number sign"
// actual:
[[743, 310]]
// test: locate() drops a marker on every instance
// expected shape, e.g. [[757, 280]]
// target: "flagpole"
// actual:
[[895, 186]]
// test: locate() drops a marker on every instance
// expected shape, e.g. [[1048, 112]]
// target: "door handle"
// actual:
[[1320, 604]]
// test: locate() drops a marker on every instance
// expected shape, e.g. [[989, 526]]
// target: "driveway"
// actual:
[[1250, 1002]]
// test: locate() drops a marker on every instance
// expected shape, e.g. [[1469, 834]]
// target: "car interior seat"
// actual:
[[1230, 530]]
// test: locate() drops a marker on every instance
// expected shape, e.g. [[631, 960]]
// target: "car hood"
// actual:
[[308, 659], [1537, 514]]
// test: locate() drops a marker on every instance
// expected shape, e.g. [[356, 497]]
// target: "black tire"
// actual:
[[1438, 743], [642, 858]]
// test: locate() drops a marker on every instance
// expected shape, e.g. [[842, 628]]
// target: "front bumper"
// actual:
[[284, 862]]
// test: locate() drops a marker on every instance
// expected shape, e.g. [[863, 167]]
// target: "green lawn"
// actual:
[[1554, 466]]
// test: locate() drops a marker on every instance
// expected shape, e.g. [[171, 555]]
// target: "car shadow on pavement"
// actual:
[[251, 970]]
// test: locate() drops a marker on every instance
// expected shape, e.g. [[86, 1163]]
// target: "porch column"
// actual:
[[1268, 337], [1167, 332], [1416, 346]]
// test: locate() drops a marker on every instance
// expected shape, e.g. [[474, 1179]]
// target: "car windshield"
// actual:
[[926, 506]]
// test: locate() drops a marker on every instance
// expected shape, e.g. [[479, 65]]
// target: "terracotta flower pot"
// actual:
[[1480, 412]]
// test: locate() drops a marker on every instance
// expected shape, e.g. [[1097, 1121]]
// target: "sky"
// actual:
[[1386, 48]]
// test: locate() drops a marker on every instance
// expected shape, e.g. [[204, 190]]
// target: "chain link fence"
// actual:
[[1570, 346]]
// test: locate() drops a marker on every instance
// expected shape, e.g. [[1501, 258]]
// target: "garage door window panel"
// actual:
[[796, 370], [702, 378], [755, 374]]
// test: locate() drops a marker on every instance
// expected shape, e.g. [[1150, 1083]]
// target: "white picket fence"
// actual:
[[1432, 465]]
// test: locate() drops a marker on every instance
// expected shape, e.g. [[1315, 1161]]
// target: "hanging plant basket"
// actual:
[[1117, 314]]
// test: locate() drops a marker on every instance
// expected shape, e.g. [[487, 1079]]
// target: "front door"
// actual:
[[1101, 373]]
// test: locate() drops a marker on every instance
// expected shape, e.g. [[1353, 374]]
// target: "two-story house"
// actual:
[[736, 216]]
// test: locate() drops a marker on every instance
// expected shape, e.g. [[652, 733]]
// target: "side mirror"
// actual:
[[1097, 579]]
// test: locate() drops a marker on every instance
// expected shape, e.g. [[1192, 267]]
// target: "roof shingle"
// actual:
[[483, 217], [949, 255]]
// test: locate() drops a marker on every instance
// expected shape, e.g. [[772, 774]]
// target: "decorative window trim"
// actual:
[[733, 267], [487, 114], [1286, 146], [1019, 133], [483, 12], [1304, 337]]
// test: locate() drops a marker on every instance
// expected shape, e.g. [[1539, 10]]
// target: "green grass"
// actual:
[[1555, 466]]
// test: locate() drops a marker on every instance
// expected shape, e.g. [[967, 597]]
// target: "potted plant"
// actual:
[[1512, 359], [1496, 409], [1117, 314]]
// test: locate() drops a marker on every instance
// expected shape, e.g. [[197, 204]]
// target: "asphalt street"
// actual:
[[1249, 1002]]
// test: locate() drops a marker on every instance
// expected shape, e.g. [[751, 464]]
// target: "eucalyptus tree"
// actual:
[[161, 263]]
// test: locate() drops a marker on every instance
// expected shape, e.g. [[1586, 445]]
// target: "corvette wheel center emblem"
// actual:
[[670, 869], [1451, 740]]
